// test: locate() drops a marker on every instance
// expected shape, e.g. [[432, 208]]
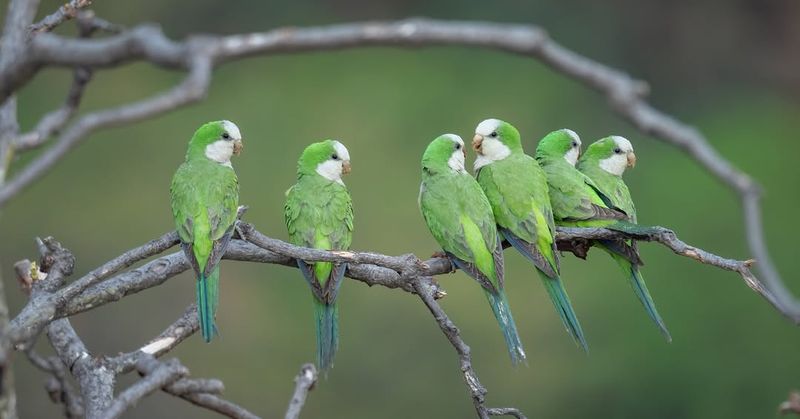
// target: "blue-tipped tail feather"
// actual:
[[640, 288], [502, 312], [327, 321], [207, 301], [558, 295]]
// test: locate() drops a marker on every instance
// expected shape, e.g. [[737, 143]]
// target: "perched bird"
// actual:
[[604, 162], [205, 199], [460, 219], [319, 214], [579, 202], [517, 190]]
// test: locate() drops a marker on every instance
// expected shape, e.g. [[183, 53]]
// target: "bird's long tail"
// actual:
[[640, 288], [502, 312], [327, 321], [558, 295], [207, 301]]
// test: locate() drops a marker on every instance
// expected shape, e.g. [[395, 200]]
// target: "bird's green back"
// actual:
[[457, 212], [573, 196], [517, 190]]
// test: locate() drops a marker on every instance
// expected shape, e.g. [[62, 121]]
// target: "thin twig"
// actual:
[[166, 373], [181, 329], [476, 389], [197, 392], [304, 382], [67, 11]]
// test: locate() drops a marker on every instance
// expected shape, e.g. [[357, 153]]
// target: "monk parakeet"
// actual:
[[604, 163], [205, 199], [459, 216], [579, 202], [319, 214], [517, 190]]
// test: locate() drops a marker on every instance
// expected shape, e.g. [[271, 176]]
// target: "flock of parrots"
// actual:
[[513, 198]]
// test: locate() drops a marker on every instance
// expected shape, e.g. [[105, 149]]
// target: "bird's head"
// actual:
[[563, 143], [494, 140], [446, 152], [216, 141], [329, 159], [614, 154]]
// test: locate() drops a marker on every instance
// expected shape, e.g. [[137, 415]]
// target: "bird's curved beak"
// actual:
[[631, 159], [237, 147], [477, 140], [346, 167]]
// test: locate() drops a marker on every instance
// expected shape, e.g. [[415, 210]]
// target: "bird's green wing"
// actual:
[[574, 196], [517, 190], [460, 219], [611, 185]]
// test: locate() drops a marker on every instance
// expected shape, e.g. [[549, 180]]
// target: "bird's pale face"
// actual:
[[457, 159], [487, 143], [574, 150], [337, 164], [228, 144], [621, 157]]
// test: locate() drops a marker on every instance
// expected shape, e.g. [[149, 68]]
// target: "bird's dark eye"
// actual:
[[226, 136], [458, 146], [617, 150], [335, 156], [493, 134], [574, 144]]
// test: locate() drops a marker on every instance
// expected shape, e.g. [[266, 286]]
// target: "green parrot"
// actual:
[[579, 202], [604, 163], [205, 198], [517, 190], [459, 216], [319, 214]]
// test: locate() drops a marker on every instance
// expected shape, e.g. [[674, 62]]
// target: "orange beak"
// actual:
[[477, 140], [346, 167], [237, 147], [631, 159]]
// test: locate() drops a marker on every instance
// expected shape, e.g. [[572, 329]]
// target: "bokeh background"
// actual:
[[729, 67]]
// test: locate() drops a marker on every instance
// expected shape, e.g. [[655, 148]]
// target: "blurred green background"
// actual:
[[729, 67]]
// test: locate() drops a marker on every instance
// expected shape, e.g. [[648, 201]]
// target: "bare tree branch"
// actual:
[[198, 392], [67, 11], [8, 394], [184, 327], [165, 373], [476, 390], [52, 299], [669, 239], [58, 385], [304, 382], [192, 89]]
